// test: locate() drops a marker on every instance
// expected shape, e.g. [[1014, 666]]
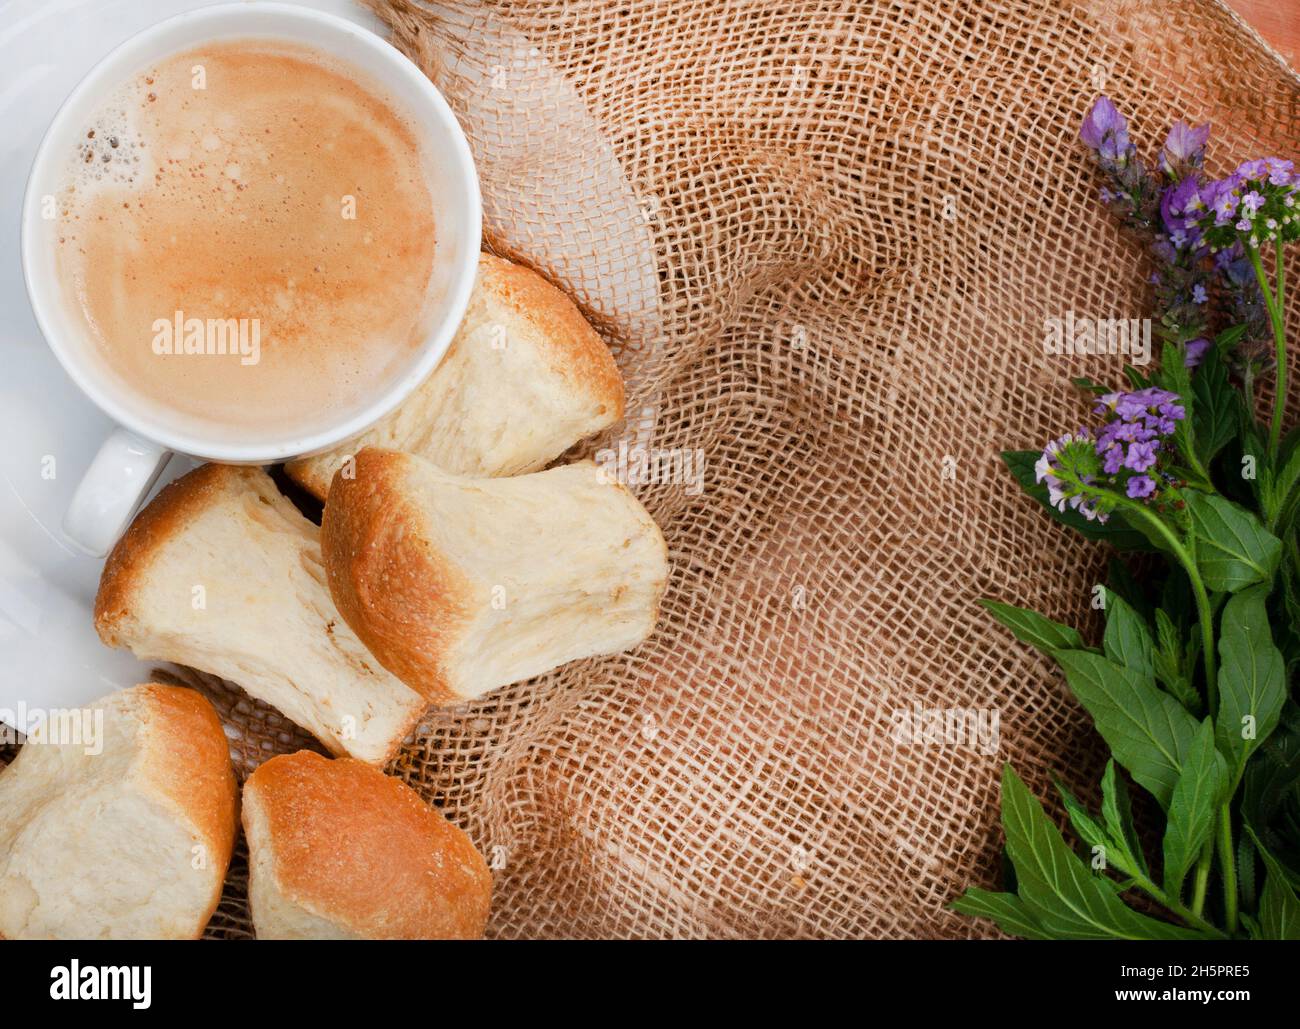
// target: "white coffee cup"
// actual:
[[129, 461]]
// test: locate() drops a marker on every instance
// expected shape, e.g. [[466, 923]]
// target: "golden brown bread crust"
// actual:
[[165, 515], [362, 850], [188, 764], [575, 350], [565, 341], [405, 605]]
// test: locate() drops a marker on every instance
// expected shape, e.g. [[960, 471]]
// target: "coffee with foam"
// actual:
[[248, 231]]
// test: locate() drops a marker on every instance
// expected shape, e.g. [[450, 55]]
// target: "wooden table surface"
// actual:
[[1278, 21]]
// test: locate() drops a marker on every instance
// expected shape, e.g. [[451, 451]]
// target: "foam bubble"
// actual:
[[109, 150]]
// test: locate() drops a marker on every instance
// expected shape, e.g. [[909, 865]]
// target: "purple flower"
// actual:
[[1225, 208], [1220, 196], [1141, 486], [1113, 460], [1105, 130], [1141, 456], [1199, 295], [1279, 171], [1238, 269], [1255, 169], [1184, 147], [1152, 396], [1167, 252], [1194, 352], [1180, 209], [1252, 202]]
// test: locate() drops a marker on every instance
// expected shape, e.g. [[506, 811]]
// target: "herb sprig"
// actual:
[[1192, 685]]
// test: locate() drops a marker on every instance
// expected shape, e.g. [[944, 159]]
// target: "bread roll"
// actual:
[[221, 573], [459, 586], [524, 379], [338, 850], [124, 834]]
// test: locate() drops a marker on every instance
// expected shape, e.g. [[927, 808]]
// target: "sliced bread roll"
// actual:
[[221, 573], [524, 379], [338, 850], [459, 586], [121, 829]]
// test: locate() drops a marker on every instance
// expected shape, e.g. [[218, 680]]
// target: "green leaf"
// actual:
[[1058, 890], [1117, 811], [1271, 779], [1216, 403], [1127, 640], [1148, 731], [1252, 679], [1006, 909], [1233, 550], [1229, 338], [1282, 485], [1091, 831], [1169, 666], [1290, 627], [1193, 807], [1032, 628], [1115, 847], [1116, 531], [1135, 378], [1279, 908], [1176, 377], [1088, 385], [1248, 444]]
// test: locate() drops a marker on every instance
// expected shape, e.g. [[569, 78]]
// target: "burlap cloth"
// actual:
[[823, 238]]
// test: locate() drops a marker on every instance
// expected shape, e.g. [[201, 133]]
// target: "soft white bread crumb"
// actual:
[[340, 851], [525, 378], [459, 586], [125, 833], [221, 573]]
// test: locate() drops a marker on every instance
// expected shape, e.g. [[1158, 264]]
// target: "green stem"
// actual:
[[1279, 338], [1198, 476], [1202, 877], [1228, 866], [1192, 918], [1279, 266], [1205, 613]]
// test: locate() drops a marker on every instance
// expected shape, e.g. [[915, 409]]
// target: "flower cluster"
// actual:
[[1132, 192], [1079, 470], [1255, 204], [1067, 467], [1154, 203], [1130, 444]]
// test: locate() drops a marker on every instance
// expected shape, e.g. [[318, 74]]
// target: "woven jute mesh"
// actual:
[[822, 238]]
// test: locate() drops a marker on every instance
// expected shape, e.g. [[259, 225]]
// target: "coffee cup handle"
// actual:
[[108, 495]]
